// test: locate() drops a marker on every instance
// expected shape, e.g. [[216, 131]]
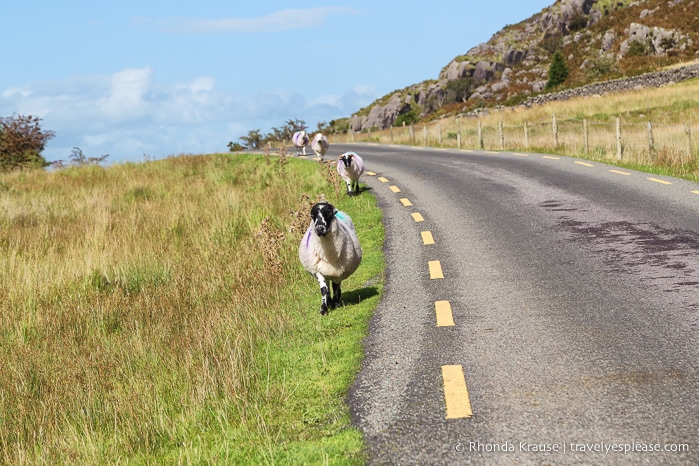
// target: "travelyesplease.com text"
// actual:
[[569, 447]]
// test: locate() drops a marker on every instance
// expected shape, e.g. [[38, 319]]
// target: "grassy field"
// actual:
[[158, 313]]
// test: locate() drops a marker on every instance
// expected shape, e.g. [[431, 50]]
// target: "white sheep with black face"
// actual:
[[300, 140], [350, 167], [330, 251], [320, 145]]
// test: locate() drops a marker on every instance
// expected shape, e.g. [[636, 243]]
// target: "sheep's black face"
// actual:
[[346, 159], [322, 214]]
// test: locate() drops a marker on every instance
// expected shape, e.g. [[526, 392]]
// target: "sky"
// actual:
[[150, 79]]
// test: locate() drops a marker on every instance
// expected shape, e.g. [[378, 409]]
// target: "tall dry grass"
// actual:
[[132, 299]]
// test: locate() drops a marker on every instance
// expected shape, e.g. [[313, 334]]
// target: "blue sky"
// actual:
[[158, 78]]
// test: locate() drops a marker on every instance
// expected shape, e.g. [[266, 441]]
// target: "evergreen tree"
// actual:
[[558, 71]]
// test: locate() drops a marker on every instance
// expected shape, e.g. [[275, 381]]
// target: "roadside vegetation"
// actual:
[[157, 313], [670, 146]]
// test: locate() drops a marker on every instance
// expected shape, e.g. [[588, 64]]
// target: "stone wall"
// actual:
[[655, 79]]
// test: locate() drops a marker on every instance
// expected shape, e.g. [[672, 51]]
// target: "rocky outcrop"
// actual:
[[515, 61], [653, 40], [382, 116]]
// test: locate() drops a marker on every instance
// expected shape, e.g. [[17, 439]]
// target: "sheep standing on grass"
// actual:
[[300, 141], [330, 251], [320, 145], [350, 166]]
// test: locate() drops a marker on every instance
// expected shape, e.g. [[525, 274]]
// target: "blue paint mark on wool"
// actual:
[[341, 215]]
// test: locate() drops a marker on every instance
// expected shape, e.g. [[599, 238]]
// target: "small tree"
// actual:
[[253, 140], [22, 141], [558, 71], [235, 147], [79, 159], [459, 90]]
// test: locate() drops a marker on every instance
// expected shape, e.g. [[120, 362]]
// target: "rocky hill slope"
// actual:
[[600, 40]]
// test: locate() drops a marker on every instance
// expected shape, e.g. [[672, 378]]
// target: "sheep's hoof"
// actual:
[[324, 310]]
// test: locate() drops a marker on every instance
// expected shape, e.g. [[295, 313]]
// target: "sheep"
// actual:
[[300, 141], [350, 166], [330, 251], [320, 145]]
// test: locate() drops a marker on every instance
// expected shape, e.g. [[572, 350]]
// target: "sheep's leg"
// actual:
[[355, 186], [324, 292], [337, 294], [350, 192]]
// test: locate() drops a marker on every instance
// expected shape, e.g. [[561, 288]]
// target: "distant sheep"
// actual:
[[350, 166], [320, 145], [300, 141], [330, 251]]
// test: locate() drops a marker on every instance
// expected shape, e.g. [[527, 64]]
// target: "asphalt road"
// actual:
[[574, 291]]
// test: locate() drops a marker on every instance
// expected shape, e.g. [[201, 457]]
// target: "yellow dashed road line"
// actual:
[[445, 317], [695, 192], [520, 154], [656, 180], [427, 237], [406, 202], [417, 216], [550, 157], [585, 164], [455, 393], [435, 270], [395, 189], [382, 179], [371, 173], [620, 172]]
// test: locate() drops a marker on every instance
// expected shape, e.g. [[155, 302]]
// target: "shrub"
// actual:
[[407, 118], [637, 49], [22, 141], [558, 71]]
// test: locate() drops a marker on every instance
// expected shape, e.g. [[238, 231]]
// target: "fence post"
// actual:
[[501, 132], [458, 133], [424, 135], [411, 132], [391, 133], [619, 147], [651, 139], [352, 134], [439, 128], [526, 135], [480, 135], [688, 131], [555, 131], [586, 136]]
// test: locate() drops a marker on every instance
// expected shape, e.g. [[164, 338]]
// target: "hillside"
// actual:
[[600, 40]]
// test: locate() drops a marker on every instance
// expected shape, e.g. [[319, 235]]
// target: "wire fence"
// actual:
[[649, 143]]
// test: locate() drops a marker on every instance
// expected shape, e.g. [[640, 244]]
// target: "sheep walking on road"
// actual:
[[300, 141], [330, 251], [320, 145], [350, 166]]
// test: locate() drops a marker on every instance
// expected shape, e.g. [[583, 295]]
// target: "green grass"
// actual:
[[158, 313]]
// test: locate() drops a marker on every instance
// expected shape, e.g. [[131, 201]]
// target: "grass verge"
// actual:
[[158, 313]]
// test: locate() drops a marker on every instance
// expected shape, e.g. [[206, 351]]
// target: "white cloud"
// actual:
[[127, 97], [281, 20], [129, 113]]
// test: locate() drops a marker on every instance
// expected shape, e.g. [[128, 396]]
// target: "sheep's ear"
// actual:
[[335, 211]]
